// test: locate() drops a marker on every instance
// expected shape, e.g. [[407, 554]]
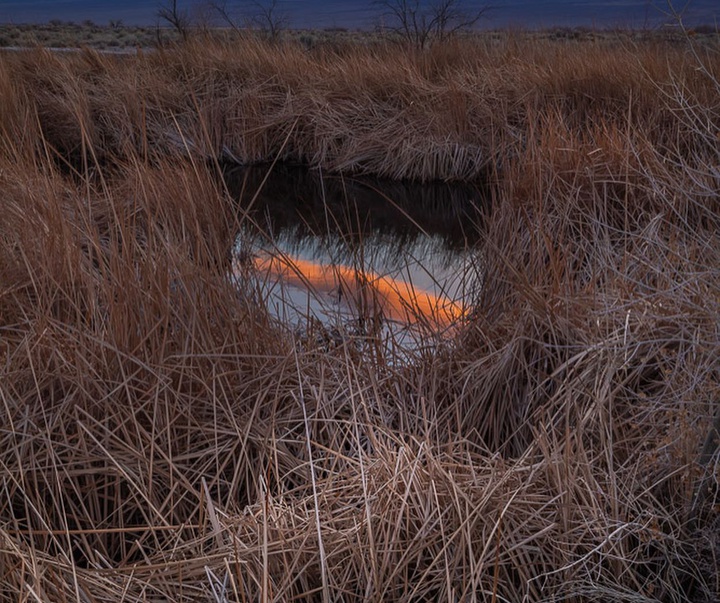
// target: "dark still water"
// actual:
[[347, 253]]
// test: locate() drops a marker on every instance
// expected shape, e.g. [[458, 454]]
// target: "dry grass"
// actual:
[[452, 113], [161, 439]]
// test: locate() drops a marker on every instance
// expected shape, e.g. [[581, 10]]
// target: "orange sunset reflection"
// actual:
[[367, 293]]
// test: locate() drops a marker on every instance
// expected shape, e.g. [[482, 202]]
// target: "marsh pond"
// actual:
[[353, 255]]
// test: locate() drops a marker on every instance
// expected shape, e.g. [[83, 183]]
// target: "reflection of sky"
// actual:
[[425, 262], [408, 246], [362, 13]]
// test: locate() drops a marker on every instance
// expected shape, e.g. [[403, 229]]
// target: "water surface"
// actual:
[[354, 254]]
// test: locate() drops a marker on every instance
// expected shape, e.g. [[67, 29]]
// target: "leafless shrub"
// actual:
[[268, 16], [178, 18], [421, 22]]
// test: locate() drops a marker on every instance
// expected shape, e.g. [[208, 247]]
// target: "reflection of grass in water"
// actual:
[[394, 277], [426, 261], [294, 197], [161, 437], [374, 256]]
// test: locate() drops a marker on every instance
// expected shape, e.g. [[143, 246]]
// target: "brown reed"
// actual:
[[162, 438]]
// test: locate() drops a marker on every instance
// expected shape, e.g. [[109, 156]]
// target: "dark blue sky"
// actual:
[[362, 13]]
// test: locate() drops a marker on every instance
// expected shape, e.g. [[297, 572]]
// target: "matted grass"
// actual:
[[163, 439]]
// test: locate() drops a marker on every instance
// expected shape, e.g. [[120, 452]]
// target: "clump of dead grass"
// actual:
[[455, 112]]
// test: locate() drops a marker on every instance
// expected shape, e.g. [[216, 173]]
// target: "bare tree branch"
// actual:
[[270, 18], [177, 18], [220, 7], [265, 15], [421, 22]]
